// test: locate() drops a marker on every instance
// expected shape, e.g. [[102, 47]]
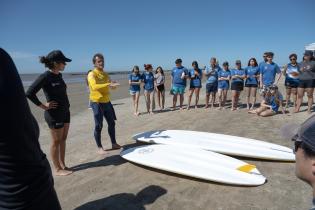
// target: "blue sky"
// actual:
[[135, 32]]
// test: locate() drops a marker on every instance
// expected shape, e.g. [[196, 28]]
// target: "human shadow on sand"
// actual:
[[123, 201], [111, 160]]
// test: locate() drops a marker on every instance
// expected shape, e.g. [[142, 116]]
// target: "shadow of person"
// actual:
[[124, 201], [111, 160]]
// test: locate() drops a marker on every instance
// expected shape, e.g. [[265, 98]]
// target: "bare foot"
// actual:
[[188, 107], [101, 151], [233, 109], [206, 107], [63, 172], [116, 146], [219, 108], [151, 112]]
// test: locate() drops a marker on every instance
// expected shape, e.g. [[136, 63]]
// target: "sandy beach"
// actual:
[[110, 182]]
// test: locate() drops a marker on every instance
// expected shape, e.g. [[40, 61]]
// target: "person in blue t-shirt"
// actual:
[[224, 77], [211, 74], [134, 89], [251, 82], [291, 73], [268, 71], [148, 80], [237, 76], [271, 103], [179, 76], [195, 76]]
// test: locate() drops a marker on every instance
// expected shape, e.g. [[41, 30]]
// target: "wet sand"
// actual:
[[109, 182]]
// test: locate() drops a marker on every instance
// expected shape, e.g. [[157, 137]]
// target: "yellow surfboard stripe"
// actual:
[[246, 168]]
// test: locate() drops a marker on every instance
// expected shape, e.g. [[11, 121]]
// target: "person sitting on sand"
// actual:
[[159, 80], [271, 103], [291, 73], [237, 76], [179, 76], [195, 76], [148, 80], [99, 84], [134, 89], [224, 77], [304, 148], [251, 82], [212, 82], [57, 108]]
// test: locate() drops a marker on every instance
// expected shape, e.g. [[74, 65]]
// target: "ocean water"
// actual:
[[28, 79]]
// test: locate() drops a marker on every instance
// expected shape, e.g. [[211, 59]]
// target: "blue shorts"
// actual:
[[211, 88], [178, 90], [224, 86], [133, 92]]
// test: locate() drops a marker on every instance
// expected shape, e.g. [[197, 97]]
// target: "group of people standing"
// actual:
[[299, 78], [57, 107]]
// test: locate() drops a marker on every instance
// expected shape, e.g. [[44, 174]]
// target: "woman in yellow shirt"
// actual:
[[99, 84]]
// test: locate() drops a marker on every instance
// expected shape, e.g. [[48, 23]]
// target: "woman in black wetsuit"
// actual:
[[57, 114]]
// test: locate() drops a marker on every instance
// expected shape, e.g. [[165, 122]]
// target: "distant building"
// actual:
[[311, 48]]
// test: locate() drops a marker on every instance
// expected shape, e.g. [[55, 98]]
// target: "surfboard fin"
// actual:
[[246, 168]]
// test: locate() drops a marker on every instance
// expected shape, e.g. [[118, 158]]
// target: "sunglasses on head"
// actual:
[[297, 145]]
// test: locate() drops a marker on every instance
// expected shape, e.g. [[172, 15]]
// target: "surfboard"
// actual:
[[195, 163], [225, 144]]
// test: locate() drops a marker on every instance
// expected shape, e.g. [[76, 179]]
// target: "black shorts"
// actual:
[[238, 86], [161, 88], [251, 85], [291, 83], [307, 83], [211, 88], [57, 118]]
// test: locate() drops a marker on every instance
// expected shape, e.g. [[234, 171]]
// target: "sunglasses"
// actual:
[[292, 59], [297, 145]]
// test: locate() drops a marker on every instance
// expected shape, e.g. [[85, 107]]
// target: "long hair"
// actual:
[[195, 65], [254, 59], [133, 69], [159, 67]]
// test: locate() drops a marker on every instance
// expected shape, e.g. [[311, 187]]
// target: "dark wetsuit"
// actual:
[[55, 89], [26, 181]]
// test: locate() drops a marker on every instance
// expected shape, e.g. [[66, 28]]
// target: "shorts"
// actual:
[[211, 88], [224, 86], [194, 86], [238, 86], [178, 90], [133, 92], [291, 83], [149, 90], [57, 118], [251, 85], [307, 83], [161, 88]]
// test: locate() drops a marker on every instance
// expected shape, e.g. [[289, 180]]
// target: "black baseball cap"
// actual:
[[225, 63], [57, 56], [303, 133]]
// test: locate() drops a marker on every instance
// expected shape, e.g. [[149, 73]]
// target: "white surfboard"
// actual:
[[225, 144], [195, 163]]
